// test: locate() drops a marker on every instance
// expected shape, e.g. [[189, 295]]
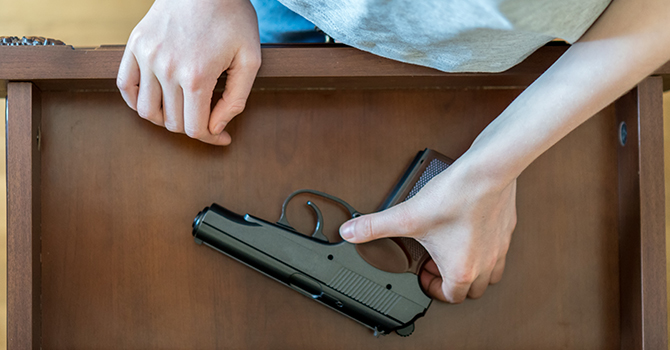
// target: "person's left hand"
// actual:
[[465, 226]]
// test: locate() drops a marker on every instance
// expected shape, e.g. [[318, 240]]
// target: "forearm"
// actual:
[[628, 42]]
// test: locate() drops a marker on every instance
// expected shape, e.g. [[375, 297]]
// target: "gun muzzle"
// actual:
[[197, 220]]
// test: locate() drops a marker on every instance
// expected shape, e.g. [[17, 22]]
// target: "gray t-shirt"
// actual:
[[451, 35]]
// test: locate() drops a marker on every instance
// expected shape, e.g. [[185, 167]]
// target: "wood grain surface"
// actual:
[[629, 225], [642, 219], [652, 208], [666, 154], [3, 237], [121, 270], [23, 217], [23, 63], [306, 66], [306, 60]]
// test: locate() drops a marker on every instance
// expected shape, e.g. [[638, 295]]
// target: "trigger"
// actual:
[[318, 230]]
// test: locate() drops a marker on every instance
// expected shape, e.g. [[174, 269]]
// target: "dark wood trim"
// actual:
[[629, 225], [30, 63], [291, 67], [642, 219], [23, 217], [652, 214], [294, 66], [339, 83], [64, 62]]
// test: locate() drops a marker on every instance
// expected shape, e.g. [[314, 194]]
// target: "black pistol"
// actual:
[[350, 279]]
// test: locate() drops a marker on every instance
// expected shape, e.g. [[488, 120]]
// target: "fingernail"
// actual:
[[347, 230], [219, 128]]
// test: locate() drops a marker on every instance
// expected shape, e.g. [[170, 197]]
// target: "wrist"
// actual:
[[491, 172]]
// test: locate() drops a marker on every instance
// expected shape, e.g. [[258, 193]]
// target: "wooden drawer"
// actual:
[[101, 203]]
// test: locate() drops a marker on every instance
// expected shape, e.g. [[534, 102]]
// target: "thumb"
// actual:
[[392, 222]]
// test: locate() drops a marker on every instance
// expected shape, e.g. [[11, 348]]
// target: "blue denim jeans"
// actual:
[[278, 24]]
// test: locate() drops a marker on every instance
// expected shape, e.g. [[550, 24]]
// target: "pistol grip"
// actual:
[[384, 254], [417, 254], [396, 255], [426, 165]]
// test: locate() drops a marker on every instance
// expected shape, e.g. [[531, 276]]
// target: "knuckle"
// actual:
[[463, 277], [148, 114], [508, 223], [251, 58], [491, 263], [151, 53], [143, 112], [195, 133], [135, 34], [476, 294], [237, 106], [496, 279], [453, 297], [367, 228], [123, 84], [503, 251], [512, 223], [166, 69], [253, 61], [173, 127], [194, 80]]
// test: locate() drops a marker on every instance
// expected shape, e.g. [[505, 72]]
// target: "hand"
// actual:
[[465, 225], [176, 54]]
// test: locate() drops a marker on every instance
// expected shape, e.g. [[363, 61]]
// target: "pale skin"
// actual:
[[176, 54], [465, 216]]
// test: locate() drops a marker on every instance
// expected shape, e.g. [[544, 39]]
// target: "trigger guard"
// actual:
[[284, 221]]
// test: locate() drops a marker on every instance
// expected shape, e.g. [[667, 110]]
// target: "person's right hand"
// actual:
[[176, 54], [463, 219]]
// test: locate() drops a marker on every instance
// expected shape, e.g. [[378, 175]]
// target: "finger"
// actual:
[[173, 107], [497, 273], [432, 285], [456, 282], [240, 78], [196, 117], [392, 222], [478, 287], [431, 267], [149, 98], [438, 288], [454, 293], [128, 79]]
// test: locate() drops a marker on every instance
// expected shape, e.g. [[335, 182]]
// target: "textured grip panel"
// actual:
[[435, 167], [364, 291], [415, 249]]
